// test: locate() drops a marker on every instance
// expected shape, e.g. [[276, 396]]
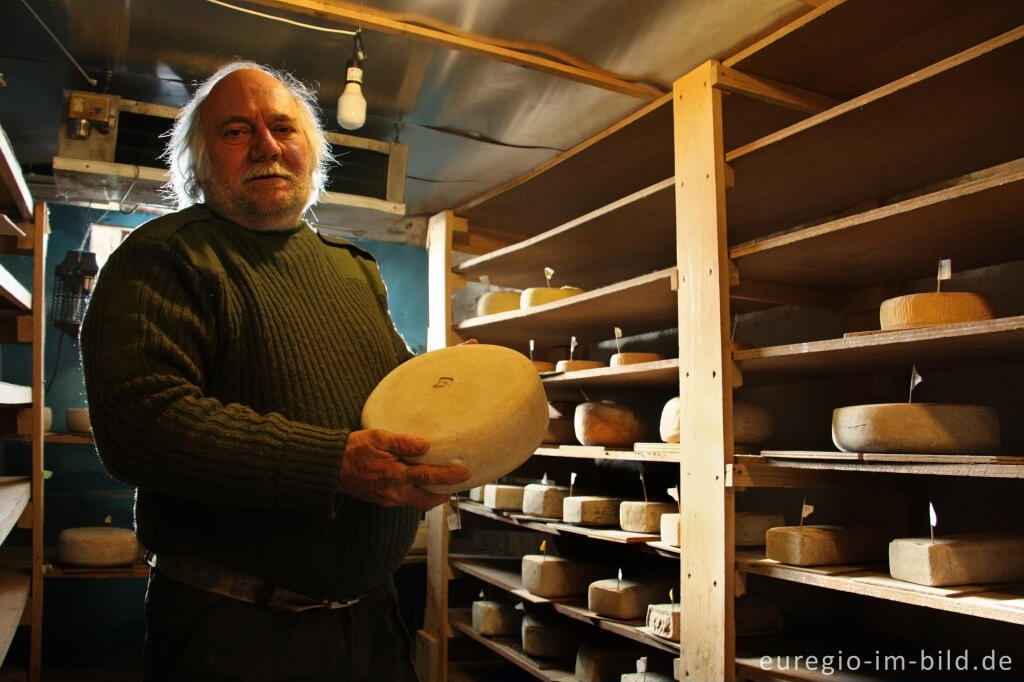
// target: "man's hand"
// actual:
[[371, 469]]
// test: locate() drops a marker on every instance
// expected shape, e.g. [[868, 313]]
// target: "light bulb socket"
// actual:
[[354, 72]]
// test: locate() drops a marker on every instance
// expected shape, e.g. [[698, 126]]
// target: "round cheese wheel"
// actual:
[[928, 428], [752, 424], [608, 424], [97, 546], [932, 308], [494, 302], [77, 419], [577, 365], [541, 295], [479, 405], [560, 430], [544, 366], [620, 359]]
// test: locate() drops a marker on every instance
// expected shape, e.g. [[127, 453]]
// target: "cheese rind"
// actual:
[[751, 527], [622, 359], [823, 545], [929, 428], [597, 664], [495, 618], [544, 366], [625, 599], [544, 500], [957, 559], [663, 620], [97, 546], [552, 576], [637, 516], [547, 637], [752, 424], [534, 296], [608, 425], [494, 302], [503, 497], [577, 365], [933, 308], [591, 510]]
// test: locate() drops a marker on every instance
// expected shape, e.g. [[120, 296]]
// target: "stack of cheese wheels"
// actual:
[[479, 405], [577, 365], [752, 424], [620, 359], [933, 308], [535, 296], [494, 302], [608, 424], [938, 428], [97, 546]]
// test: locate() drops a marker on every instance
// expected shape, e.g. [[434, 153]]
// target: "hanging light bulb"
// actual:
[[351, 103]]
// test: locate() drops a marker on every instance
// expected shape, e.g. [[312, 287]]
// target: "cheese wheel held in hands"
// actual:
[[479, 405]]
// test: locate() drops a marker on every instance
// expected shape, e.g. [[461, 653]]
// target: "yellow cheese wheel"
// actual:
[[479, 405], [939, 428], [544, 366], [932, 308], [752, 424], [620, 359], [609, 425], [494, 302], [77, 419], [577, 365], [97, 546], [535, 296]]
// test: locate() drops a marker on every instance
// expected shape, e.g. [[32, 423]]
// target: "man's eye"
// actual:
[[284, 130], [235, 135]]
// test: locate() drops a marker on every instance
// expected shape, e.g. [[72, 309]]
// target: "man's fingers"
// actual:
[[423, 474]]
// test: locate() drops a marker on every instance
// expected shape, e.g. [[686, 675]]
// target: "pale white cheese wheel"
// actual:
[[671, 529], [553, 576], [479, 405], [609, 425], [939, 428], [620, 359], [637, 516], [97, 546], [663, 620], [544, 500], [933, 308], [591, 510], [535, 296], [957, 559], [577, 365], [752, 424], [494, 302], [495, 618]]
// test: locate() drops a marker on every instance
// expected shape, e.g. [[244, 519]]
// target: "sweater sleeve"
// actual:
[[147, 342]]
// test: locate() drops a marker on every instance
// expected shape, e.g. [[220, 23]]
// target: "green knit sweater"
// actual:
[[224, 369]]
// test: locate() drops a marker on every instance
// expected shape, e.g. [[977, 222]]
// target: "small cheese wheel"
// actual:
[[933, 308], [663, 620], [591, 510], [23, 421], [544, 500], [97, 546], [535, 296], [577, 365], [625, 599], [957, 559], [552, 576], [494, 302], [503, 497], [609, 424], [495, 618], [77, 419], [821, 545], [547, 636], [637, 516], [620, 359], [752, 424], [544, 366], [479, 405], [939, 428], [670, 529]]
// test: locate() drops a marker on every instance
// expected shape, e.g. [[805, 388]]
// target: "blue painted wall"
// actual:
[[99, 622]]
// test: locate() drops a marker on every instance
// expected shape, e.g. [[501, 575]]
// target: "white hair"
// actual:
[[186, 153]]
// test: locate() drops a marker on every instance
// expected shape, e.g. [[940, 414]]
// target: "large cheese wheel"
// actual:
[[577, 365], [821, 545], [620, 359], [609, 425], [534, 296], [625, 599], [939, 428], [932, 308], [752, 424], [479, 405], [494, 302], [591, 510], [957, 559], [552, 576], [97, 546]]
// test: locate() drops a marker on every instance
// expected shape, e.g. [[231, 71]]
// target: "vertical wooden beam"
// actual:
[[41, 229], [707, 554]]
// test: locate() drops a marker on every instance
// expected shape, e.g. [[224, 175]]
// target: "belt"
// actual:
[[211, 577]]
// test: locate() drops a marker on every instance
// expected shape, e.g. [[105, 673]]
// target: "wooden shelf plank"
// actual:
[[503, 573], [509, 649], [751, 471], [844, 156], [15, 493], [896, 242], [645, 303], [138, 569], [657, 373], [13, 295], [627, 629], [633, 233], [644, 454], [14, 590], [15, 394], [625, 158], [9, 228], [963, 344], [1004, 602], [14, 195]]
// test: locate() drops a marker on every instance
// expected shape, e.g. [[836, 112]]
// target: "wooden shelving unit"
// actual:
[[772, 198]]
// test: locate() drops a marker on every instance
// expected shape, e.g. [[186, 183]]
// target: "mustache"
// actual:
[[273, 169]]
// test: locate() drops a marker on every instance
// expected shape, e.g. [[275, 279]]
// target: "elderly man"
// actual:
[[228, 350]]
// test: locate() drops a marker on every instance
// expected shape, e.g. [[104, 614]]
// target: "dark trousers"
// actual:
[[197, 636]]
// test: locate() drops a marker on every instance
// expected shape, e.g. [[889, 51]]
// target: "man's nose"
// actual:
[[264, 146]]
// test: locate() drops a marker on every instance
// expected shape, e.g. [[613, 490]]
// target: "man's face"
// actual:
[[260, 172]]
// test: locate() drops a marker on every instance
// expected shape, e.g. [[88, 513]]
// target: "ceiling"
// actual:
[[471, 121]]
